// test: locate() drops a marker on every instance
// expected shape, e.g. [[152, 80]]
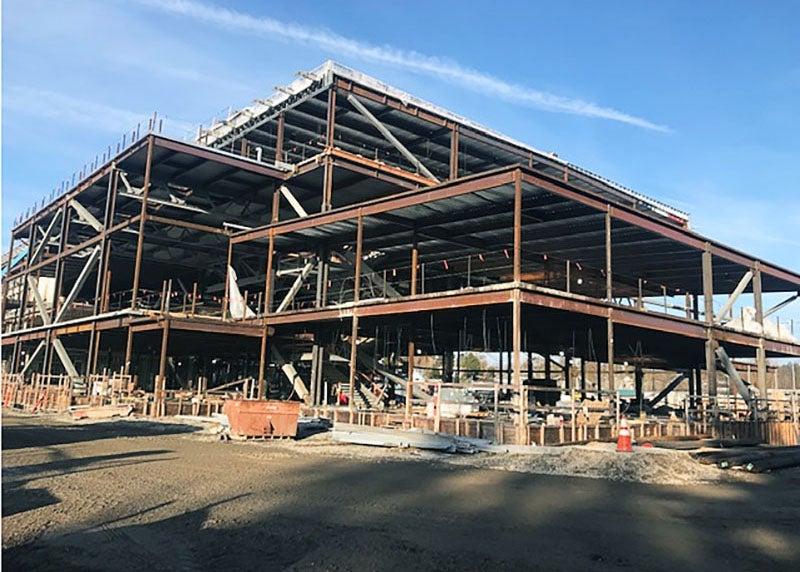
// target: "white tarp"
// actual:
[[747, 322], [235, 299]]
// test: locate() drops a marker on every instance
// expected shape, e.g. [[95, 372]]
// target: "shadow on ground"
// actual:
[[255, 507], [52, 431], [18, 497]]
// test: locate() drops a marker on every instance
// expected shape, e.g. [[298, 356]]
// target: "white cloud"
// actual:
[[65, 109], [414, 61], [45, 104], [181, 72]]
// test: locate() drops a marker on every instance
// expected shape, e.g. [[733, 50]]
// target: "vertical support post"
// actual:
[[137, 268], [711, 367], [280, 136], [410, 380], [327, 185], [547, 368], [268, 282], [610, 351], [708, 307], [698, 386], [761, 354], [609, 282], [226, 292], [568, 277], [359, 256], [530, 365], [639, 296], [262, 356], [414, 264], [317, 352], [194, 299], [583, 378], [758, 300], [599, 381], [516, 342], [276, 204], [638, 377], [761, 369], [354, 325], [161, 383], [411, 332], [454, 152], [128, 351], [708, 286], [331, 119], [517, 226]]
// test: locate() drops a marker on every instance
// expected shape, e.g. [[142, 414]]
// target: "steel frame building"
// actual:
[[340, 230]]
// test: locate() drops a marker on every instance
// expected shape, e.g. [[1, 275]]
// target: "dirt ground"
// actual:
[[134, 495]]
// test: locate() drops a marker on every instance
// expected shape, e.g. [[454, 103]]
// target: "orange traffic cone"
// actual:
[[624, 438]]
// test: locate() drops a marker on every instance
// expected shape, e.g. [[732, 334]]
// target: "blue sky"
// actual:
[[691, 103]]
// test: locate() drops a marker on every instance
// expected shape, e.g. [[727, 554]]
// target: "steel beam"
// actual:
[[87, 268], [137, 265], [375, 277], [517, 226], [676, 381], [44, 240], [69, 366], [84, 214], [298, 283], [734, 296], [446, 190], [390, 136], [298, 208], [291, 373], [609, 276], [781, 305], [516, 364]]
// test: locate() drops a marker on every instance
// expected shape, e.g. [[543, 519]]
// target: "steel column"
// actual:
[[517, 226], [522, 394], [137, 268], [454, 152], [708, 306], [612, 386], [354, 328], [279, 140], [609, 281]]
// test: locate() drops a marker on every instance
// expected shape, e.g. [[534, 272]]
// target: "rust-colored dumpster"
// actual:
[[262, 418]]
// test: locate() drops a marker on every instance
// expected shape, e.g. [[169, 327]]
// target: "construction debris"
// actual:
[[418, 439], [601, 461], [753, 459], [101, 412]]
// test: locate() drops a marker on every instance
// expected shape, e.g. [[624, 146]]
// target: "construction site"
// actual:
[[349, 255], [344, 244]]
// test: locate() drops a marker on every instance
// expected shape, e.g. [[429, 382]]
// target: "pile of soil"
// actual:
[[601, 461]]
